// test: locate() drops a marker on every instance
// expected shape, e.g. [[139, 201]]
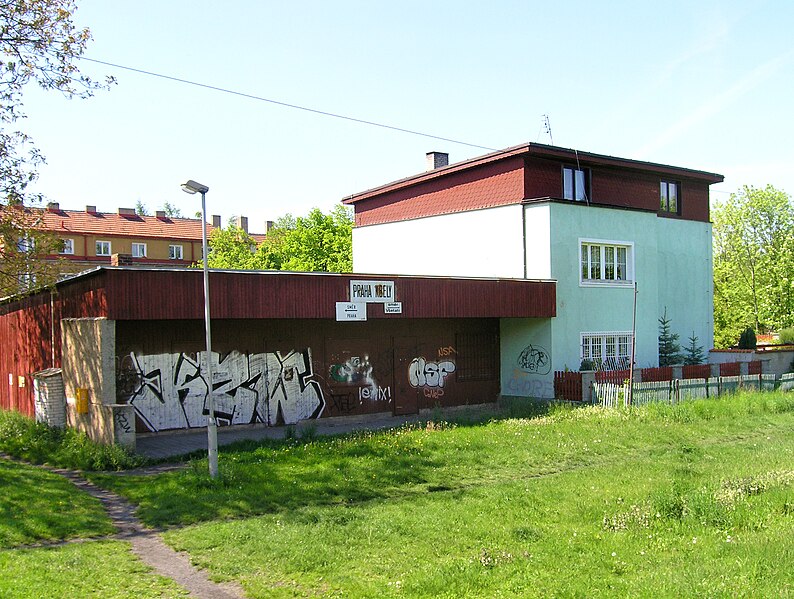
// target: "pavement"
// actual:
[[180, 442]]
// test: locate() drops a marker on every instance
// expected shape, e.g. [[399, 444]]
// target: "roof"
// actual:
[[124, 225], [539, 151], [140, 293]]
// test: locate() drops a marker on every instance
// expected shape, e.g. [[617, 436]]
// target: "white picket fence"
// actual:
[[610, 395]]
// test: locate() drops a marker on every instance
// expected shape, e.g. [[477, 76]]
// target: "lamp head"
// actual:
[[193, 187]]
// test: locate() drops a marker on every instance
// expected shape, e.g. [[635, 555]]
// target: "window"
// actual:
[[575, 184], [103, 248], [670, 197], [607, 351], [476, 356], [67, 246], [25, 245], [139, 250], [605, 263], [175, 252]]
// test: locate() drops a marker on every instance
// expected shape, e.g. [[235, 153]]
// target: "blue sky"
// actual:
[[706, 85]]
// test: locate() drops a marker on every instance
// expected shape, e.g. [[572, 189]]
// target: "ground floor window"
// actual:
[[606, 351]]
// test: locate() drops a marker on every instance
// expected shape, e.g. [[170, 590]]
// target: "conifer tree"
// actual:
[[669, 349], [693, 353]]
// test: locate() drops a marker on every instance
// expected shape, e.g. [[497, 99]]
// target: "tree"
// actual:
[[141, 209], [748, 340], [669, 349], [317, 242], [172, 211], [753, 263], [693, 353], [40, 45]]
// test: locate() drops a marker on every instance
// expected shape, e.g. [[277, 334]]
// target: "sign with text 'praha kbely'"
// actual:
[[372, 292]]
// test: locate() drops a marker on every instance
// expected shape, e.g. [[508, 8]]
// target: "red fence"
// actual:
[[730, 369], [616, 377], [699, 371], [663, 373], [568, 385]]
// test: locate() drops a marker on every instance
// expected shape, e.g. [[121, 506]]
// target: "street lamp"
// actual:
[[192, 187]]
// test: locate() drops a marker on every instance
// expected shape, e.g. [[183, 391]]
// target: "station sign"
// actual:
[[350, 311], [372, 292], [393, 308]]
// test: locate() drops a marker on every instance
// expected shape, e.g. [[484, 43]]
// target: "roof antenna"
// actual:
[[547, 126]]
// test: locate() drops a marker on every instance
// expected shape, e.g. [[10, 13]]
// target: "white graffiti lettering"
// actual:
[[422, 373]]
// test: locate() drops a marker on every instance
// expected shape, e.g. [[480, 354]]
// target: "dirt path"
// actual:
[[149, 546]]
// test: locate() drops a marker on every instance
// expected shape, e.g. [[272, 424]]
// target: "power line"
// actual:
[[285, 104]]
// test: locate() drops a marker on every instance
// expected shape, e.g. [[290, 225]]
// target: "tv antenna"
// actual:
[[547, 126]]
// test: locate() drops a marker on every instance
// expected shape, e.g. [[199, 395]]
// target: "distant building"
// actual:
[[92, 238]]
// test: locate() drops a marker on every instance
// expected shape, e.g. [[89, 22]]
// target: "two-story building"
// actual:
[[598, 225]]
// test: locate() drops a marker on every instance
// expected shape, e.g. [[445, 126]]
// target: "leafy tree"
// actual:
[[753, 263], [669, 349], [172, 211], [40, 45], [231, 248], [693, 353]]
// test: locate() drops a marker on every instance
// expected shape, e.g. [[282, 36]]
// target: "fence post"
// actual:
[[715, 371], [744, 369], [678, 372], [588, 378]]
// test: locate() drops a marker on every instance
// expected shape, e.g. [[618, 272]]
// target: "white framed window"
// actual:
[[575, 183], [67, 246], [607, 351], [103, 248], [139, 250], [670, 197], [175, 252], [605, 263]]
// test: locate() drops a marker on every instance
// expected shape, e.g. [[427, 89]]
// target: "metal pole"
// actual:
[[633, 345], [212, 429]]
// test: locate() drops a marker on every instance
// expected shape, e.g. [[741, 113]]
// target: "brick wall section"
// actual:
[[494, 184]]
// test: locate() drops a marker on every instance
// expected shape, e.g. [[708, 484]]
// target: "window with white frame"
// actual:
[[139, 250], [175, 252], [605, 262], [607, 351], [575, 183], [103, 248], [670, 197], [67, 246]]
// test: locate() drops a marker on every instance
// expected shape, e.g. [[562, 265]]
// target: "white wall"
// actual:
[[479, 243], [538, 240]]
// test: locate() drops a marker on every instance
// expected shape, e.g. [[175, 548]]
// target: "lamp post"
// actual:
[[192, 187]]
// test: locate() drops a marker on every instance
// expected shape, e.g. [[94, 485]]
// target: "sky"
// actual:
[[707, 85]]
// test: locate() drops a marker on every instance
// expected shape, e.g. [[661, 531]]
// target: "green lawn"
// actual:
[[106, 569], [36, 505], [694, 499]]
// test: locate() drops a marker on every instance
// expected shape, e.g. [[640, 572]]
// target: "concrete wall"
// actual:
[[477, 243], [526, 368], [776, 361]]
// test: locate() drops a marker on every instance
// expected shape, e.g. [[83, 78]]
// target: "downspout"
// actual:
[[52, 328], [524, 234]]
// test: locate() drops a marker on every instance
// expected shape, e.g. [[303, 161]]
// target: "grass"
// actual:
[[106, 569], [38, 443], [36, 505]]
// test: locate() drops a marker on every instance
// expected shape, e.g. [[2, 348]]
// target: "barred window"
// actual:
[[477, 357]]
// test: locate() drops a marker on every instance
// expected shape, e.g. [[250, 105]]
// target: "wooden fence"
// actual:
[[614, 395], [568, 385]]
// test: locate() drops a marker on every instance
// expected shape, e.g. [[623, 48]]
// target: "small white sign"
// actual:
[[378, 292], [350, 311], [393, 308]]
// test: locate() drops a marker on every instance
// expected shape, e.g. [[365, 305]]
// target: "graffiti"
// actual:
[[170, 391], [525, 385], [123, 423], [422, 373], [433, 392], [534, 359], [444, 352], [379, 394], [354, 371]]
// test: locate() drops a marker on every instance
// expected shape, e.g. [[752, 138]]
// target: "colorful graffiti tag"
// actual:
[[357, 372], [169, 391], [430, 376]]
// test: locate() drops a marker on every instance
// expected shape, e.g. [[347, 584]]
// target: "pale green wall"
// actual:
[[526, 378], [672, 267]]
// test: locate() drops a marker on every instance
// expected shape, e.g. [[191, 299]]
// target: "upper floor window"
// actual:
[[175, 252], [103, 248], [139, 250], [670, 197], [606, 263], [575, 183], [67, 246]]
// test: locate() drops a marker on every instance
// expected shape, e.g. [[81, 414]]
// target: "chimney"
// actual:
[[53, 207], [126, 211], [90, 209], [216, 221], [436, 160], [241, 222], [268, 225], [160, 214]]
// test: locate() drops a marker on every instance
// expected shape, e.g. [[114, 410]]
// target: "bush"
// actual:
[[747, 339], [24, 438], [787, 335]]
